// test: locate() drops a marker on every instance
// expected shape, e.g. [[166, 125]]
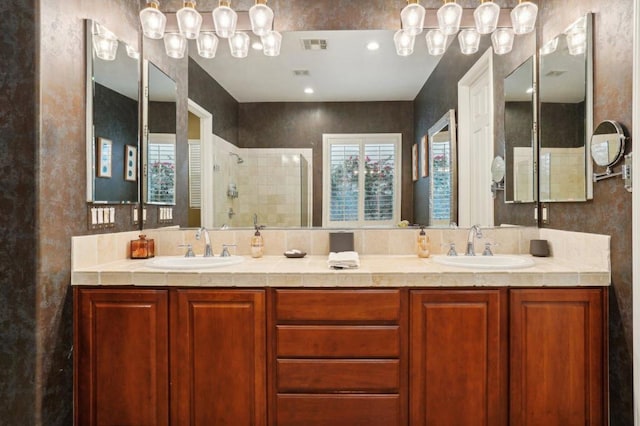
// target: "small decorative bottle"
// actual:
[[423, 243], [142, 248], [257, 244]]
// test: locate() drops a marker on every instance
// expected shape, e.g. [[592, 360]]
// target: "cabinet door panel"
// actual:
[[218, 342], [557, 363], [122, 371], [458, 357], [345, 410], [338, 341], [333, 376]]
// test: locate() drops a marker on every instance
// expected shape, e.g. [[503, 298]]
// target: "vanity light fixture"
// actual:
[[549, 47], [132, 52], [436, 42], [239, 45], [207, 44], [449, 17], [502, 40], [271, 43], [153, 20], [412, 17], [189, 20], [224, 19], [486, 17], [261, 17], [523, 17], [576, 40], [105, 43], [175, 44], [469, 40], [404, 42]]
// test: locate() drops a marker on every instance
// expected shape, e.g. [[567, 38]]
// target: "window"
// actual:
[[195, 176], [161, 163], [361, 179]]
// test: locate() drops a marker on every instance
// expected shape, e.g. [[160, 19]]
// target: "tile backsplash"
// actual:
[[91, 250]]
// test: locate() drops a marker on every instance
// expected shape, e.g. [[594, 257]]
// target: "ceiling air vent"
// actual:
[[301, 73], [314, 44], [555, 73]]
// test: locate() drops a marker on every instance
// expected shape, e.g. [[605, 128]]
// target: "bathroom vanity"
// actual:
[[399, 341]]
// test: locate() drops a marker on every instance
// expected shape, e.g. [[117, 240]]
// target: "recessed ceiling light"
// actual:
[[373, 45], [256, 45], [530, 90], [308, 90]]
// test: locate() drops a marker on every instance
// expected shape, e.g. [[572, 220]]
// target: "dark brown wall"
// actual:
[[301, 125], [562, 125], [610, 210]]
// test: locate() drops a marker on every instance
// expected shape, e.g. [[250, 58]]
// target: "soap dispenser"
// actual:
[[257, 244], [423, 243]]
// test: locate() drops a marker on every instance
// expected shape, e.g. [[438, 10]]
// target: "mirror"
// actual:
[[607, 144], [112, 91], [443, 173], [497, 170], [519, 166], [566, 107], [159, 157]]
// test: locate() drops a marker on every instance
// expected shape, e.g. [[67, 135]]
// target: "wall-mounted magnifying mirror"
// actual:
[[607, 144], [497, 174], [160, 145], [443, 173], [112, 117]]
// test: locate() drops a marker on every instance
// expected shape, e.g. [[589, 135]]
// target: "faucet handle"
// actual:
[[452, 248], [487, 248], [225, 250], [189, 252]]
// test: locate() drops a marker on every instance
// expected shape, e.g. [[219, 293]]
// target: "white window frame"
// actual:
[[361, 139]]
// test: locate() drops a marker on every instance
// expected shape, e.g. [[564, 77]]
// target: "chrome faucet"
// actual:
[[207, 241], [474, 232]]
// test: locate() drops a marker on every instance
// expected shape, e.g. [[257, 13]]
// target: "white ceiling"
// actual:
[[346, 71]]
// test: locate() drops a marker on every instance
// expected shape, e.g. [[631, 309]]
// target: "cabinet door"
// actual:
[[219, 357], [557, 357], [122, 372], [458, 357]]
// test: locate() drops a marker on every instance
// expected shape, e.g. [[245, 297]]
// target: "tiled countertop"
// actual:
[[374, 271]]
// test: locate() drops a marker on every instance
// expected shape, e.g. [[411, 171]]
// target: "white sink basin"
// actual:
[[199, 262], [485, 262]]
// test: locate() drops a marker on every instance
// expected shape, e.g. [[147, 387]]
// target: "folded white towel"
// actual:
[[344, 260]]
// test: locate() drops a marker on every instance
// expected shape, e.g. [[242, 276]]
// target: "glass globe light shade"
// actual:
[[523, 17], [175, 44], [549, 47], [239, 45], [412, 17], [577, 41], [436, 42], [449, 16], [152, 20], [224, 20], [469, 41], [486, 17], [207, 44], [261, 17], [502, 40], [105, 43], [404, 42], [271, 43], [189, 20]]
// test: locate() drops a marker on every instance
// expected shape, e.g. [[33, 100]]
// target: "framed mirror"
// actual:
[[159, 153], [566, 114], [519, 134], [443, 173], [112, 119]]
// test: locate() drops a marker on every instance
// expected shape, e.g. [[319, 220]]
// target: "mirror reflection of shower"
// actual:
[[239, 160]]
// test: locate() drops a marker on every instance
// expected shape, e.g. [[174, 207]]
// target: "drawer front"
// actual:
[[316, 376], [338, 341], [334, 410], [338, 305]]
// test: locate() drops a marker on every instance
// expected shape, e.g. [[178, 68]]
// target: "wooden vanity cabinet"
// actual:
[[339, 358], [458, 357], [558, 365], [121, 358]]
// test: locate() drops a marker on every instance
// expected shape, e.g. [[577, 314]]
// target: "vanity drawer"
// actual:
[[334, 376], [337, 341], [330, 410], [336, 306]]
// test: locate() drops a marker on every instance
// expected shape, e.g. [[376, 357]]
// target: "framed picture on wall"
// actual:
[[414, 162], [424, 156], [130, 163], [104, 154]]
